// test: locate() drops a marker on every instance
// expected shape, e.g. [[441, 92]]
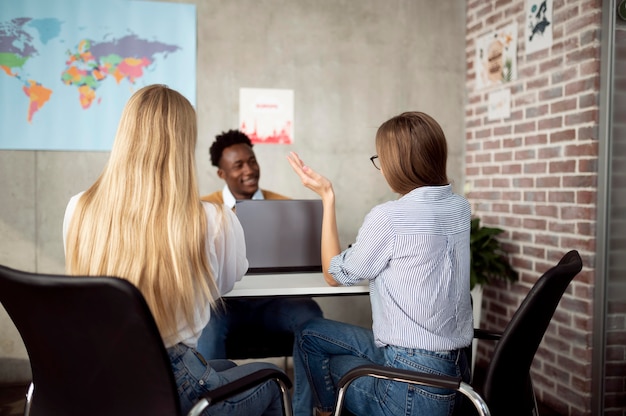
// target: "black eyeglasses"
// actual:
[[373, 160]]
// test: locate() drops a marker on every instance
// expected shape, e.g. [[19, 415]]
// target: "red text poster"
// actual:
[[266, 115]]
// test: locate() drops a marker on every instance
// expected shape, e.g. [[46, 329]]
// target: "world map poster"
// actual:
[[68, 67]]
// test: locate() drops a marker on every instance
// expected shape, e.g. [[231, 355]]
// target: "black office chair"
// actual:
[[95, 349], [507, 389]]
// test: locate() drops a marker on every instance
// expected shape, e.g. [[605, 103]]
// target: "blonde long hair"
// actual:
[[143, 220]]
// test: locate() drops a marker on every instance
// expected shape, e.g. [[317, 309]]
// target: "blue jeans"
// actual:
[[274, 314], [195, 376], [326, 350]]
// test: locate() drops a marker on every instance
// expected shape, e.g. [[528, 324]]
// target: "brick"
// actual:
[[568, 166], [503, 208], [548, 182], [588, 100], [511, 195], [537, 111], [501, 183], [564, 135], [536, 83], [581, 55], [562, 196], [523, 182], [503, 156], [547, 211], [584, 21], [521, 209], [534, 224], [481, 134], [470, 170], [535, 139], [580, 181], [561, 228], [551, 93], [587, 116], [491, 144], [490, 170], [525, 127], [502, 130], [588, 166], [550, 123], [525, 154], [568, 104], [547, 239], [554, 63], [577, 213], [585, 149], [564, 75], [549, 152], [587, 229], [588, 132], [511, 169], [574, 337], [578, 86], [535, 168], [530, 71], [535, 196], [590, 67]]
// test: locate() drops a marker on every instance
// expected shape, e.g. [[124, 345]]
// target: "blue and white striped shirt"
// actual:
[[415, 253]]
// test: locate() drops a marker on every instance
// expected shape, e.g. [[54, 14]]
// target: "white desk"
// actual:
[[291, 284]]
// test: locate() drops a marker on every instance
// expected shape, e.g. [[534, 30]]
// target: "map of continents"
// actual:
[[86, 66]]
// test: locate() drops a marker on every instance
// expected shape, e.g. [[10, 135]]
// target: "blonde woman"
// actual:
[[142, 220]]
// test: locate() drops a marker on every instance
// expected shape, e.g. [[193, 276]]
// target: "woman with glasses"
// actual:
[[414, 251]]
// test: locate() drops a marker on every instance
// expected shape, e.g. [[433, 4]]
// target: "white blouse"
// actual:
[[226, 252]]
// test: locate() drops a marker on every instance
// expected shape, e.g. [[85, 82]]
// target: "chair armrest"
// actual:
[[246, 383], [395, 374], [488, 335], [408, 376]]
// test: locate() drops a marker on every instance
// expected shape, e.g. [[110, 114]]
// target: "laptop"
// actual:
[[282, 236]]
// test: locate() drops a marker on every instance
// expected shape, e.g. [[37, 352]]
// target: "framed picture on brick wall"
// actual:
[[496, 57], [538, 31]]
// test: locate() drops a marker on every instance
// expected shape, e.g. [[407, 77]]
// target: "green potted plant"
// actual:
[[487, 261], [487, 258]]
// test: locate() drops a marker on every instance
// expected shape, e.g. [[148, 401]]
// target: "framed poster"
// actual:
[[496, 57], [266, 115], [538, 32]]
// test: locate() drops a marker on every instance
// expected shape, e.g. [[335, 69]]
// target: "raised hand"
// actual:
[[311, 179]]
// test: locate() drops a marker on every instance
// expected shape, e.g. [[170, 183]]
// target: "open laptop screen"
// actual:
[[282, 236]]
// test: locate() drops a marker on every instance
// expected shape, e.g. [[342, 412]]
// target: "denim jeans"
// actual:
[[274, 314], [195, 376], [326, 350]]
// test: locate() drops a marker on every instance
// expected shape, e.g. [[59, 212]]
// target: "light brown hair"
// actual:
[[412, 150]]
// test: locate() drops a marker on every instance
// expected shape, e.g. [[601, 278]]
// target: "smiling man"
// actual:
[[232, 154], [236, 164]]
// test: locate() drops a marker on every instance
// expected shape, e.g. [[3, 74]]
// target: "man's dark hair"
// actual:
[[224, 140]]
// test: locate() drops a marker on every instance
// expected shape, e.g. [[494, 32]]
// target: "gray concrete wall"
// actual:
[[352, 65]]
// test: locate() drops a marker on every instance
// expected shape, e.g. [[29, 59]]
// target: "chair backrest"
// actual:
[[507, 384], [93, 345]]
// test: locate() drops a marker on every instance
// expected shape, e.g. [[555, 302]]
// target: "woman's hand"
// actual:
[[321, 186], [311, 179]]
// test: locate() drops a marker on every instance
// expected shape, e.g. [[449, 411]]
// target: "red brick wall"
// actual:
[[534, 174]]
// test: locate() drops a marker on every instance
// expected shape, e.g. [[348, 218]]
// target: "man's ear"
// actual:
[[221, 173]]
